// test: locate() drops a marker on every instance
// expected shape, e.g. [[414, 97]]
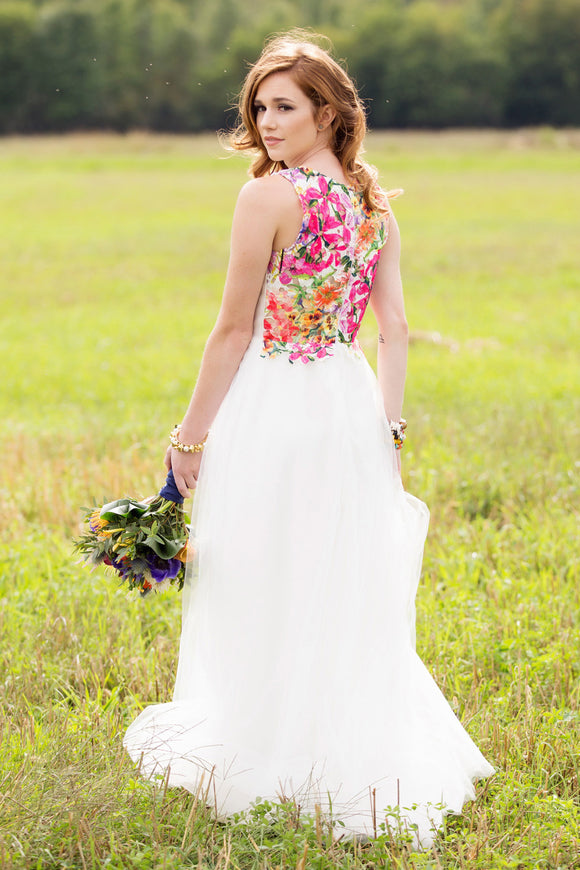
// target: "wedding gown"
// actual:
[[297, 676]]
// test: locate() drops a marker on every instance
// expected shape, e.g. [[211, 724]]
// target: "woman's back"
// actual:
[[317, 289]]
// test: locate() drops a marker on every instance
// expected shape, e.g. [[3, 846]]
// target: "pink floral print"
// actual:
[[317, 290]]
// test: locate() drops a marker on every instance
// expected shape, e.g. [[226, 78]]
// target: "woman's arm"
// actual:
[[255, 224], [389, 309]]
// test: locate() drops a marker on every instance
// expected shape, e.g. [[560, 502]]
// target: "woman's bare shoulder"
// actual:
[[267, 191], [271, 202]]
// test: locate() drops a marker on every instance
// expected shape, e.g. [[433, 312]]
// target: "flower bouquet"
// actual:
[[145, 542]]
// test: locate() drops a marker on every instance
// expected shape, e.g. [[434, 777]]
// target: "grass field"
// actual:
[[112, 257]]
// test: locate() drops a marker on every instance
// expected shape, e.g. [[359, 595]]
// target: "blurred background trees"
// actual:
[[176, 65]]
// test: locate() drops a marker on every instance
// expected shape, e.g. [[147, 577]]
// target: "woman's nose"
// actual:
[[268, 119]]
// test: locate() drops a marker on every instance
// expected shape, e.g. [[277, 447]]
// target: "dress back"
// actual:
[[317, 290]]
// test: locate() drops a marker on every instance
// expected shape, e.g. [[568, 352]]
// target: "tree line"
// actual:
[[176, 65]]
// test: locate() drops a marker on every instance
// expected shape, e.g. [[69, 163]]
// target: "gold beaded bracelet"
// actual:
[[185, 448], [398, 433]]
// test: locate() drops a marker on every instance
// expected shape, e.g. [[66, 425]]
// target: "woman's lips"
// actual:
[[271, 141]]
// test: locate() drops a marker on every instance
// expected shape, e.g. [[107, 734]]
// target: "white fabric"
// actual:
[[297, 672]]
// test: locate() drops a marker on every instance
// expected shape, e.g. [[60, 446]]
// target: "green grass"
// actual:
[[112, 257]]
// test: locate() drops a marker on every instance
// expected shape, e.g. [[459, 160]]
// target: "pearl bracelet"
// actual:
[[398, 432], [185, 448]]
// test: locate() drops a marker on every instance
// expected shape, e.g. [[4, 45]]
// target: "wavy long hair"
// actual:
[[324, 82]]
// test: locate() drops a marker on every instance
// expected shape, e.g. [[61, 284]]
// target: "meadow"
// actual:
[[112, 257]]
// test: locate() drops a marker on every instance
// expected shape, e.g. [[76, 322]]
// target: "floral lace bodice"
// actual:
[[317, 290]]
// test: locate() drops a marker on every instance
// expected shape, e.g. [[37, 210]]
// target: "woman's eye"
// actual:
[[259, 109]]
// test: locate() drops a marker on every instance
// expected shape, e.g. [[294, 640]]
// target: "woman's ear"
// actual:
[[326, 116]]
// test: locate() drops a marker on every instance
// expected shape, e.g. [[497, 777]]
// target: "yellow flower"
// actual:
[[186, 554]]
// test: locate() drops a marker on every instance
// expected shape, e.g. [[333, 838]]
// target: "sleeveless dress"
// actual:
[[298, 677]]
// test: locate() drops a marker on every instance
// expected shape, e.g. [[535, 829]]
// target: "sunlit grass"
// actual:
[[112, 257]]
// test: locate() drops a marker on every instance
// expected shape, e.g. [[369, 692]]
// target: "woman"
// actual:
[[297, 673]]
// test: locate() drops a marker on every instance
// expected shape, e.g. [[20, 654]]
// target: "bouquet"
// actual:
[[145, 542]]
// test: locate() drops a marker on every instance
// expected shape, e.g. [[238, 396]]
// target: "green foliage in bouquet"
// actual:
[[145, 542]]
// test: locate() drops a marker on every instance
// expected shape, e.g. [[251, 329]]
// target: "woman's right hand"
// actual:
[[185, 467]]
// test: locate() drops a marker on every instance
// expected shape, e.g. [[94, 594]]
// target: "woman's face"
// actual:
[[285, 120]]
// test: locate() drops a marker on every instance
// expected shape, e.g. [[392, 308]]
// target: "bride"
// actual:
[[297, 676]]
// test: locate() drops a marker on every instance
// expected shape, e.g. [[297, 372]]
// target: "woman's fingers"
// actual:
[[184, 488], [185, 484], [185, 471]]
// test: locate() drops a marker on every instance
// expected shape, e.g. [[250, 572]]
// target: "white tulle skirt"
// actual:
[[297, 674]]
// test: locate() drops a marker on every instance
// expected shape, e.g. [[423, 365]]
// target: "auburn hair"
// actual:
[[324, 82]]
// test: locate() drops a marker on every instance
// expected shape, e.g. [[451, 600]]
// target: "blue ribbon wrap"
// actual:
[[170, 491]]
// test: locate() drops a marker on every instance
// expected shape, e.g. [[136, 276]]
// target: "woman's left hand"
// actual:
[[185, 468]]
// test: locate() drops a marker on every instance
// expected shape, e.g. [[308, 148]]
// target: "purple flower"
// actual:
[[119, 565], [161, 569]]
